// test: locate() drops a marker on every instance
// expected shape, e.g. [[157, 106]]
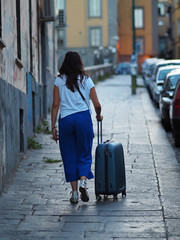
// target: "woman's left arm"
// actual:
[[54, 112]]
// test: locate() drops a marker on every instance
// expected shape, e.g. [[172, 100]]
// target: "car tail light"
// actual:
[[176, 111]]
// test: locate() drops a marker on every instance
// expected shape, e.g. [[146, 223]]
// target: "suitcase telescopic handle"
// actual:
[[99, 131]]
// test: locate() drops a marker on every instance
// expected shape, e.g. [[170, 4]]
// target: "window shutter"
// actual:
[[47, 10], [61, 17]]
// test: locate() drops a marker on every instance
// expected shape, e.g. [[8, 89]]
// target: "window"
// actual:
[[95, 37], [162, 46], [170, 85], [60, 12], [60, 38], [47, 11], [161, 9], [139, 18], [178, 27], [0, 21], [140, 45], [61, 18], [95, 8], [18, 21], [59, 4]]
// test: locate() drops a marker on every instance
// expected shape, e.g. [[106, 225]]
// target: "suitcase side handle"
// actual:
[[99, 132]]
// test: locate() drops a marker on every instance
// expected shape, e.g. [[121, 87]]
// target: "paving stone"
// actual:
[[13, 234], [170, 237], [42, 225], [123, 217], [173, 226], [125, 235], [131, 213], [86, 226], [151, 227]]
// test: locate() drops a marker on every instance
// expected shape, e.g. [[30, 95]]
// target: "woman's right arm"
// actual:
[[54, 112], [97, 105]]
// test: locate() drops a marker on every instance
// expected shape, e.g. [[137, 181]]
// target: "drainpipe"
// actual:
[[43, 67]]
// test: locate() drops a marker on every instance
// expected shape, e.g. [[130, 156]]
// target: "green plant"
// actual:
[[102, 78], [49, 160], [43, 128], [33, 144], [140, 86]]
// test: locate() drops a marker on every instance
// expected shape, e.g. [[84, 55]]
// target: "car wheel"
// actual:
[[177, 140], [166, 125]]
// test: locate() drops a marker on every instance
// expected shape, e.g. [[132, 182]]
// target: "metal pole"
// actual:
[[133, 27], [133, 77]]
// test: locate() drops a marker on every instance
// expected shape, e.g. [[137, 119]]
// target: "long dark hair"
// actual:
[[72, 67]]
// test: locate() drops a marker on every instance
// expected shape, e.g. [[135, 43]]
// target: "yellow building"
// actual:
[[175, 26], [87, 26], [163, 24], [146, 31]]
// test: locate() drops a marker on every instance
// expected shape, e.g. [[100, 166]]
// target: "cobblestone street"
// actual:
[[35, 205]]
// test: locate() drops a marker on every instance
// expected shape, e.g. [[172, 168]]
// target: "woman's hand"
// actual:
[[99, 118], [55, 134]]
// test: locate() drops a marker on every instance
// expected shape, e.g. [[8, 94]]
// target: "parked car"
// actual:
[[159, 64], [175, 114], [164, 63], [157, 83], [166, 96], [145, 64], [149, 70], [123, 68]]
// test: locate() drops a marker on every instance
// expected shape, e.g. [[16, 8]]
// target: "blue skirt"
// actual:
[[75, 142]]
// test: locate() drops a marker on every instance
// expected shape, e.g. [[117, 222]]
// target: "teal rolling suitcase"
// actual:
[[110, 176]]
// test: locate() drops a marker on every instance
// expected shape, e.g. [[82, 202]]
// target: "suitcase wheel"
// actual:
[[98, 198], [124, 193], [115, 198]]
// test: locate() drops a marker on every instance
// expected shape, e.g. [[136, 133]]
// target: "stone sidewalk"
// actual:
[[35, 205]]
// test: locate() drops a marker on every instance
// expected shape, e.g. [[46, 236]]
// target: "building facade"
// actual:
[[89, 27], [163, 25], [174, 29], [27, 68], [145, 29]]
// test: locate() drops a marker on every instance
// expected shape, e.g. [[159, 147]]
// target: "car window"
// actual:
[[163, 65], [163, 73], [171, 83], [157, 67]]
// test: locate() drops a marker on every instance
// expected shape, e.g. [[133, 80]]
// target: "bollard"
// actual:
[[133, 84]]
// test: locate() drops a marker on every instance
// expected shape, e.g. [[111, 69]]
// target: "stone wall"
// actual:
[[99, 71], [25, 84], [19, 116]]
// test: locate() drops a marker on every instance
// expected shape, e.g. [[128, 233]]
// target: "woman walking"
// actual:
[[72, 90]]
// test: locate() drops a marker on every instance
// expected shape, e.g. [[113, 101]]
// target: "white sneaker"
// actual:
[[74, 198], [84, 194]]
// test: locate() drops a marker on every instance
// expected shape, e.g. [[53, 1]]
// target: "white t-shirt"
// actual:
[[72, 102]]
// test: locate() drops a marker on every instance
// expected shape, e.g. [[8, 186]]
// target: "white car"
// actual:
[[156, 68], [149, 70], [145, 64], [157, 84], [166, 96]]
